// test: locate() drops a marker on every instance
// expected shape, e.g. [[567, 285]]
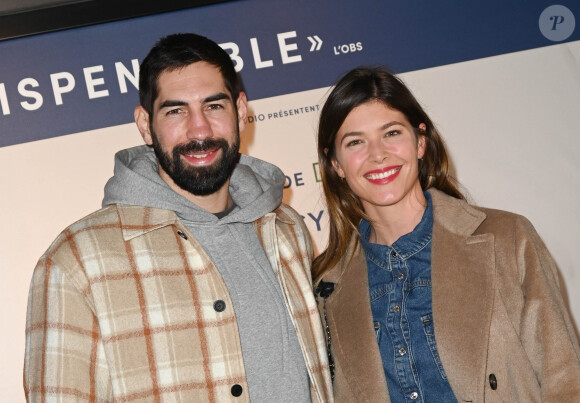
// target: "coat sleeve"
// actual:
[[64, 357], [546, 330]]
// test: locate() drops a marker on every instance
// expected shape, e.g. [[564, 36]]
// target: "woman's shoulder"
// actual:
[[493, 215], [483, 219], [507, 227]]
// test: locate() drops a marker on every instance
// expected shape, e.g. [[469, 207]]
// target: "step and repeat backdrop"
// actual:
[[501, 79]]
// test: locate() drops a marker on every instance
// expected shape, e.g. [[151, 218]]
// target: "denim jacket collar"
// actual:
[[406, 246]]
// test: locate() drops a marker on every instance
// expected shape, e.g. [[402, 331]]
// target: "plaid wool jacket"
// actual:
[[121, 308]]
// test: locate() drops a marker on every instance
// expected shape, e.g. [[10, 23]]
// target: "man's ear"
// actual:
[[242, 106], [142, 121]]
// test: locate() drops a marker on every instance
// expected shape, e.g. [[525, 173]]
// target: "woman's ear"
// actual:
[[421, 141], [337, 168]]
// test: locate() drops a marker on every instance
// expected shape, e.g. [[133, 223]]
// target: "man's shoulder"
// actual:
[[104, 217], [123, 215], [288, 212], [101, 216], [294, 225], [286, 219], [110, 224], [80, 239]]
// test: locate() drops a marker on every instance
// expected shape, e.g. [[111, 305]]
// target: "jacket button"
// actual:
[[237, 390], [394, 253], [219, 305], [182, 234], [492, 381]]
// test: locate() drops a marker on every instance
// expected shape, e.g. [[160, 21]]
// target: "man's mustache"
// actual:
[[199, 146]]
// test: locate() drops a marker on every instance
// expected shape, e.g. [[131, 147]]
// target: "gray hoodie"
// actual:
[[273, 360]]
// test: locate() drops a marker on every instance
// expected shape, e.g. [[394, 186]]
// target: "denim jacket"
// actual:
[[400, 292]]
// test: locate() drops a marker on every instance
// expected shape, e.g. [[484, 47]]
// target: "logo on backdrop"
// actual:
[[31, 95], [288, 48], [557, 23]]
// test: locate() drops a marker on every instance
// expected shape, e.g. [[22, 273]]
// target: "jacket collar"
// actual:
[[279, 214], [454, 215], [138, 220]]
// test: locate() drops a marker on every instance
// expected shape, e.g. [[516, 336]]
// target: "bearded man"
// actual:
[[192, 283]]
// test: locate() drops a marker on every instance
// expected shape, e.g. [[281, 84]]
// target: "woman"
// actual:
[[425, 297]]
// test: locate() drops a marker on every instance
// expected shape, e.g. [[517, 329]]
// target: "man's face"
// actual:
[[194, 129]]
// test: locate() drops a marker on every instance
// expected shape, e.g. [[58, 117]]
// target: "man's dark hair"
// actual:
[[176, 51]]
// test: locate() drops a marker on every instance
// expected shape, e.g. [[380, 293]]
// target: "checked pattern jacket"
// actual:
[[121, 309]]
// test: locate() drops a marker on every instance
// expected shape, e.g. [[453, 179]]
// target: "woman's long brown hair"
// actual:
[[345, 210]]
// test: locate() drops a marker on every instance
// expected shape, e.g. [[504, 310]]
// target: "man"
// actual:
[[192, 283]]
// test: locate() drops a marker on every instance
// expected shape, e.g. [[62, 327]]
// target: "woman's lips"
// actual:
[[384, 175]]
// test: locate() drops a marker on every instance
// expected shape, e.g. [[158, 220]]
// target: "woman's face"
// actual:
[[377, 153]]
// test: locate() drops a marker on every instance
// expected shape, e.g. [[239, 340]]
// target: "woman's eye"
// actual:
[[353, 143], [392, 133]]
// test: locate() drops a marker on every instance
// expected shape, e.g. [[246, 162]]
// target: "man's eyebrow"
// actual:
[[171, 103], [212, 98], [216, 97]]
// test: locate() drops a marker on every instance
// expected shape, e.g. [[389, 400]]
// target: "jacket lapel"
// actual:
[[463, 271], [290, 255], [354, 344]]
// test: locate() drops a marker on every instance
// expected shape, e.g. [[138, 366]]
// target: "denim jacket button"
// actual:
[[414, 396]]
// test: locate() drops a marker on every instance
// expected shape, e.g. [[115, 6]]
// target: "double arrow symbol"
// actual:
[[316, 42]]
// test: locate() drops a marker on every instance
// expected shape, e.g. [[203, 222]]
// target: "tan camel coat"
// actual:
[[497, 309]]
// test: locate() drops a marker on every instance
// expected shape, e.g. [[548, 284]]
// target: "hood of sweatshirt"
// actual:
[[255, 186]]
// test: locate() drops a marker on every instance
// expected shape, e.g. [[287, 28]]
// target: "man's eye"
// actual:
[[215, 106], [173, 111]]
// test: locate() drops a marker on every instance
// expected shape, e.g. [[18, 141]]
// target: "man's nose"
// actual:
[[199, 127]]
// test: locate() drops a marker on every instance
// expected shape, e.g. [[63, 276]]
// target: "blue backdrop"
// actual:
[[82, 79]]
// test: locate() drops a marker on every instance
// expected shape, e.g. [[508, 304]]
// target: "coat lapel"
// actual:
[[354, 344], [463, 271]]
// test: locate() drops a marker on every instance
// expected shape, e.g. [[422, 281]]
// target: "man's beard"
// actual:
[[200, 181]]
